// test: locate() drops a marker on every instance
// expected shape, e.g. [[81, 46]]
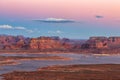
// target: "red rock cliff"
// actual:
[[48, 43]]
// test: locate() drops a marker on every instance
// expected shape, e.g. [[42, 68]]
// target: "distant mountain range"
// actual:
[[43, 43], [8, 42]]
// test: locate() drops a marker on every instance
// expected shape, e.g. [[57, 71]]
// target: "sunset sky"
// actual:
[[75, 19]]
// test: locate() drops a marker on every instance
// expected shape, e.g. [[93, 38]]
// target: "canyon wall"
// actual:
[[13, 42], [56, 43], [102, 43], [40, 43], [53, 43]]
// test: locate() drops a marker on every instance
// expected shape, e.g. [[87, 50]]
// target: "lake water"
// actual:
[[31, 65]]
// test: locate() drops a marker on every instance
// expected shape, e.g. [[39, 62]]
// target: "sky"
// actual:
[[76, 19]]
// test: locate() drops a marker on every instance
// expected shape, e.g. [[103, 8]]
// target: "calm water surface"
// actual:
[[31, 65]]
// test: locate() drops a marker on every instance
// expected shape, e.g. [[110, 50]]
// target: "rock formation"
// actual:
[[43, 43], [55, 43], [102, 42], [13, 42]]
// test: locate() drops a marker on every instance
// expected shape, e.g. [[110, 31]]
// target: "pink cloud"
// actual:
[[74, 9]]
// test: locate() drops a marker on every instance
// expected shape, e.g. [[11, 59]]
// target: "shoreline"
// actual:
[[94, 54], [56, 52], [69, 72]]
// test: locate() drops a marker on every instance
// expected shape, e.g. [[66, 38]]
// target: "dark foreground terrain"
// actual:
[[71, 72]]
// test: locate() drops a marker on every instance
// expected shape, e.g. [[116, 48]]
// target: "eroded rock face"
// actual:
[[44, 43], [102, 42], [55, 43], [41, 43], [114, 42], [99, 42], [96, 42], [13, 42]]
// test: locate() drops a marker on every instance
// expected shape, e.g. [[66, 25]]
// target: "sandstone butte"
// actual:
[[8, 42]]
